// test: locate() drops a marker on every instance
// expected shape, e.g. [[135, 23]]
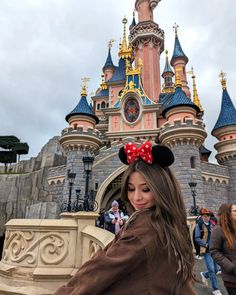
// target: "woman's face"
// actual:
[[139, 193], [233, 212]]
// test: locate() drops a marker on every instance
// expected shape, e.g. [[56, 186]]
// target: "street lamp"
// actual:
[[77, 193], [88, 164], [193, 185], [71, 178]]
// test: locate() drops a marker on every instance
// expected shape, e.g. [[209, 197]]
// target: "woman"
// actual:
[[223, 245], [152, 254]]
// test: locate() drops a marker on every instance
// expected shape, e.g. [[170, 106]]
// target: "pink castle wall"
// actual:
[[227, 137]]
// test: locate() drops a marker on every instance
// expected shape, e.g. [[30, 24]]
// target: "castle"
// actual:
[[136, 101]]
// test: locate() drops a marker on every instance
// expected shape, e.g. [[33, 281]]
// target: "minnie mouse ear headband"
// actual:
[[159, 154]]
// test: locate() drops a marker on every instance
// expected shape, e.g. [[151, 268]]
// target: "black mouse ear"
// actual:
[[162, 155], [123, 156]]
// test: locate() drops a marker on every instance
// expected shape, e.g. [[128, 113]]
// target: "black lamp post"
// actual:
[[77, 193], [71, 178], [88, 164], [193, 185]]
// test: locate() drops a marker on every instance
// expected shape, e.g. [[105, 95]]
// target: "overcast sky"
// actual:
[[47, 46]]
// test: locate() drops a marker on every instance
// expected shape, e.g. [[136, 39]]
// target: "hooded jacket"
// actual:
[[135, 262]]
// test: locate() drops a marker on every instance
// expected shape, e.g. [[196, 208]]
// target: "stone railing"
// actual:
[[40, 255], [46, 253]]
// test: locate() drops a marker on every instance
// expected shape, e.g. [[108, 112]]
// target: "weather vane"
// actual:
[[110, 43], [222, 75], [191, 72], [175, 28], [85, 80]]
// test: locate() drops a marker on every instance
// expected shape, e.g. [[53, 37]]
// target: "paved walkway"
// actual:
[[201, 289]]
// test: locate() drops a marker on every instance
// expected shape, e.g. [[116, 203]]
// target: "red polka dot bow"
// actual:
[[134, 153]]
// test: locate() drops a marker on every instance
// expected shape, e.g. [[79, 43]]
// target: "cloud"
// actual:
[[47, 46]]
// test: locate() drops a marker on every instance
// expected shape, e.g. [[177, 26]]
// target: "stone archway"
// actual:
[[110, 189]]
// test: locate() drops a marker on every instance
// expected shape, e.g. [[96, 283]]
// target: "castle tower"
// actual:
[[80, 139], [184, 134], [133, 113], [167, 75], [148, 42], [225, 131], [179, 61], [109, 67]]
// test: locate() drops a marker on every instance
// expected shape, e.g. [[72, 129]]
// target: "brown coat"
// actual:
[[133, 263], [222, 255]]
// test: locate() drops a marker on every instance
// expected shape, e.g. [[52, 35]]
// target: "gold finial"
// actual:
[[103, 84], [110, 43], [125, 51], [196, 99], [222, 76], [178, 82], [166, 52], [85, 80], [124, 43], [175, 28]]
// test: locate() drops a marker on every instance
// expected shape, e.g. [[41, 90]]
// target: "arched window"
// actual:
[[98, 106], [103, 105], [193, 162]]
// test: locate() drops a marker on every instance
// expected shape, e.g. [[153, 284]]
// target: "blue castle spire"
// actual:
[[109, 62], [83, 108], [178, 51], [227, 114]]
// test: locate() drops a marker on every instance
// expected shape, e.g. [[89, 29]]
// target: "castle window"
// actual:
[[107, 105], [75, 126], [193, 162], [98, 106], [103, 105]]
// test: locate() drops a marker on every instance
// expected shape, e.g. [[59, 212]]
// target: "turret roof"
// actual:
[[204, 151], [227, 114], [109, 62], [179, 98], [178, 51], [82, 108], [167, 68], [119, 74], [102, 92]]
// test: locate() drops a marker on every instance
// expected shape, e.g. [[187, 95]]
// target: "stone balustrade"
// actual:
[[45, 253], [40, 255]]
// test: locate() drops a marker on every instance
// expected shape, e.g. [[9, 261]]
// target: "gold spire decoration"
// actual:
[[85, 80], [136, 70], [125, 51], [103, 84], [222, 76], [178, 82], [175, 28], [196, 99]]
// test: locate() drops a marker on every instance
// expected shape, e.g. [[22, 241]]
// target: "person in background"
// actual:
[[195, 244], [223, 245], [203, 238], [152, 253], [114, 218]]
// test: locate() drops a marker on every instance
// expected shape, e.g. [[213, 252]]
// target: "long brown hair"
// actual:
[[169, 216], [227, 224]]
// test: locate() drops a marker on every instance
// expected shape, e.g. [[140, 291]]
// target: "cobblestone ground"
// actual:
[[201, 289]]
